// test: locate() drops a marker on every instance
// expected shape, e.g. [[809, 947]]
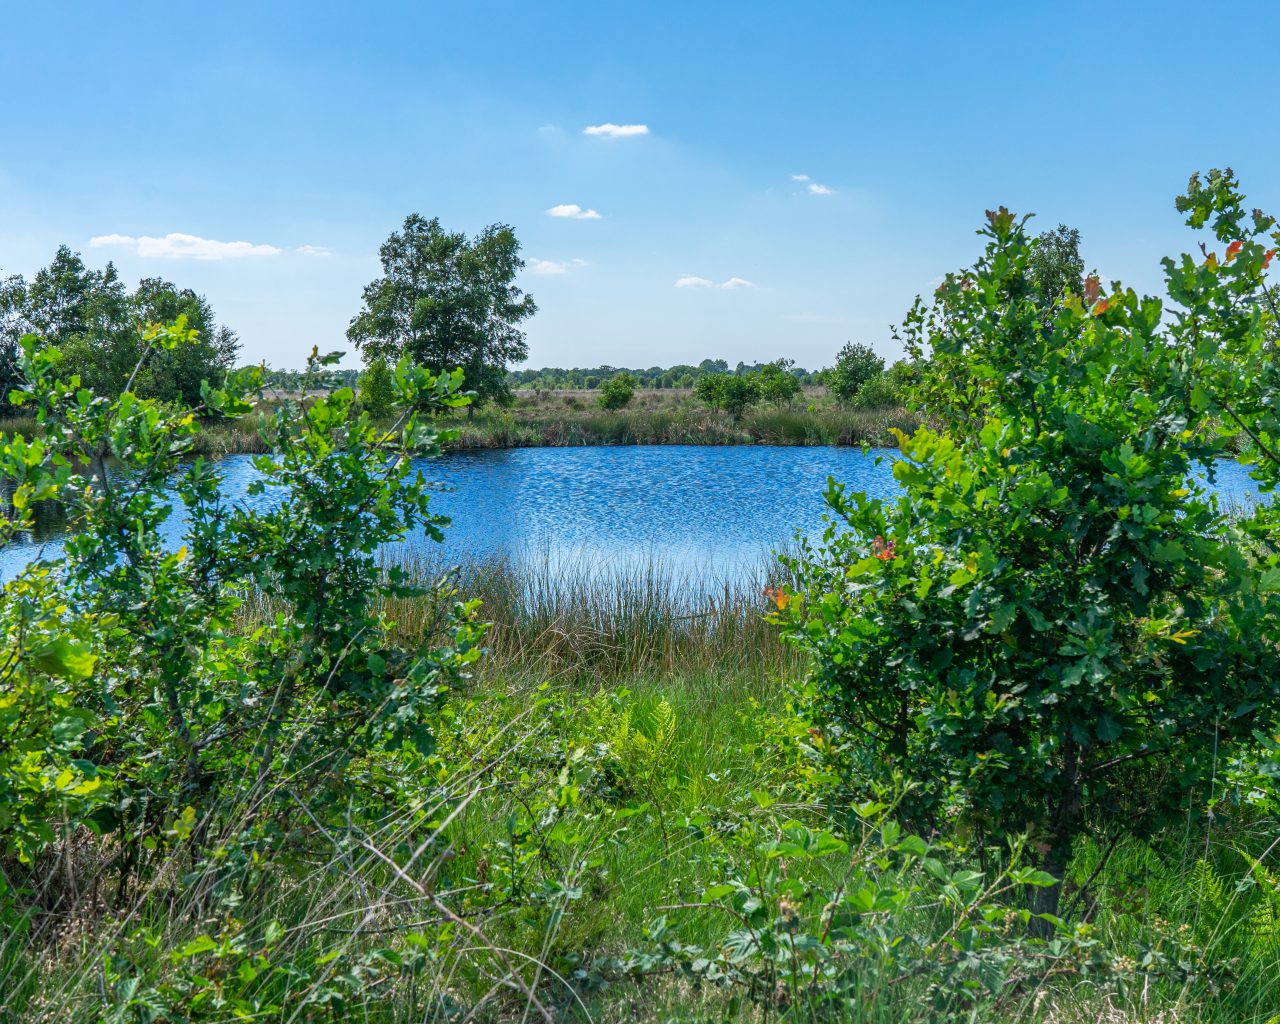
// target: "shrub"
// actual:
[[855, 365], [377, 389], [731, 392], [617, 391], [1051, 627], [777, 383], [135, 707]]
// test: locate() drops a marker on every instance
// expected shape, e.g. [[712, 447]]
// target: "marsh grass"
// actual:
[[574, 616], [674, 417]]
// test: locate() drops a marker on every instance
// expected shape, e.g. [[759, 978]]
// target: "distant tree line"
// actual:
[[554, 378]]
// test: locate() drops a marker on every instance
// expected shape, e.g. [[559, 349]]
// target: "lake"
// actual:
[[721, 508]]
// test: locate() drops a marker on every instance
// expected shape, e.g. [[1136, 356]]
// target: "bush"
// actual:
[[135, 708], [855, 365], [1050, 629], [377, 389], [777, 383], [731, 392], [617, 391]]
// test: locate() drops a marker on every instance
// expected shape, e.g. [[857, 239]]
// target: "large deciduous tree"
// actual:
[[447, 301]]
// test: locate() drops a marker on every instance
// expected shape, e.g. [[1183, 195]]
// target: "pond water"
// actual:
[[715, 507]]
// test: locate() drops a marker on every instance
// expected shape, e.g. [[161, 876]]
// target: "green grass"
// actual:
[[675, 708]]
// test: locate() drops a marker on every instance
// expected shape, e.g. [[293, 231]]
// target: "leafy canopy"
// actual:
[[447, 301], [97, 324]]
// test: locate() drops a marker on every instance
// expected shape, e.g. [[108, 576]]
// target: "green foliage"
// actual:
[[778, 384], [729, 392], [1055, 266], [855, 365], [445, 301], [659, 378], [888, 389], [617, 392], [836, 949], [1053, 627], [134, 705], [377, 389], [97, 324]]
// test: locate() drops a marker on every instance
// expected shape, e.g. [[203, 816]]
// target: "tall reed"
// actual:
[[572, 617]]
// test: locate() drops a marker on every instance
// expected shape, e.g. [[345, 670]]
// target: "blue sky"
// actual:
[[310, 130]]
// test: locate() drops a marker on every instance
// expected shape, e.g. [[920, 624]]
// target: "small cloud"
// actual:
[[315, 250], [799, 177], [702, 282], [820, 190], [573, 211], [554, 266], [616, 131], [176, 245]]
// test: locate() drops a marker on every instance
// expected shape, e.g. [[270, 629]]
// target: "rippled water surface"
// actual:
[[710, 506]]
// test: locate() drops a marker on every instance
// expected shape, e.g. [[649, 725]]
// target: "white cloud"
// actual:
[[799, 177], [616, 131], [573, 211], [702, 282], [176, 245], [315, 250], [820, 190], [554, 266]]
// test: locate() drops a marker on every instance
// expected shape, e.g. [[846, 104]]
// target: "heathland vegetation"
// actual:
[[1001, 749]]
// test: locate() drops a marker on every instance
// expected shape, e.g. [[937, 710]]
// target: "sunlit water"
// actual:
[[718, 508]]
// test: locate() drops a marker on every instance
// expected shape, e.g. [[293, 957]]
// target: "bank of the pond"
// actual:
[[564, 426]]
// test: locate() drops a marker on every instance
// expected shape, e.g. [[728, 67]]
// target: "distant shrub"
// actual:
[[855, 365], [617, 391], [377, 394], [886, 389], [777, 383], [731, 392]]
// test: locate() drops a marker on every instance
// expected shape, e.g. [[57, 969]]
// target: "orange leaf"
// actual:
[[1233, 250], [1101, 307], [1266, 258]]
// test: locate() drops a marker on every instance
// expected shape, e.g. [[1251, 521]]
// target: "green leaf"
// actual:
[[64, 658]]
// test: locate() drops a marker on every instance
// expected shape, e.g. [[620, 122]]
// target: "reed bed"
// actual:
[[572, 616]]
